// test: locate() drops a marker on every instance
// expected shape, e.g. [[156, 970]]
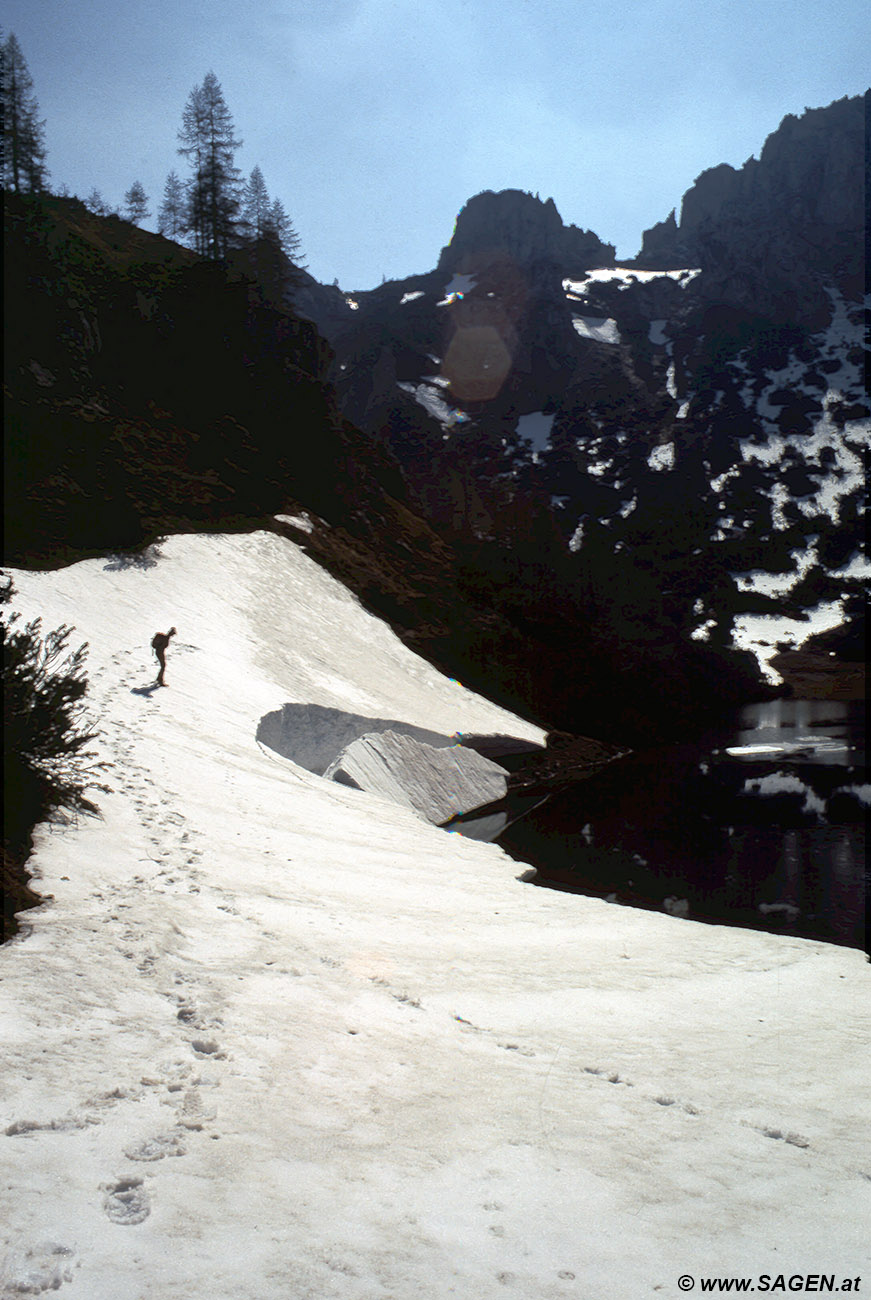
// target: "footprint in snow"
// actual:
[[38, 1268], [126, 1201], [165, 1144], [778, 1135]]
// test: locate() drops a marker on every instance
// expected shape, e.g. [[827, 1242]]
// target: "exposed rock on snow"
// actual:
[[436, 782]]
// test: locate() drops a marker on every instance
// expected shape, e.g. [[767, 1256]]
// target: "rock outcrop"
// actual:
[[767, 234], [525, 228]]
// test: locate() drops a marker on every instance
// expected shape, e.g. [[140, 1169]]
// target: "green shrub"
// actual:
[[49, 762]]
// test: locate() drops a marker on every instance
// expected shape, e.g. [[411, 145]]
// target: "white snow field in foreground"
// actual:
[[273, 1038]]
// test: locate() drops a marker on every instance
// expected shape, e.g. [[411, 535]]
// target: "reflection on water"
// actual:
[[763, 826], [822, 730]]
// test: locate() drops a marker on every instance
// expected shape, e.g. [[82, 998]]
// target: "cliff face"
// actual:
[[527, 230], [768, 233]]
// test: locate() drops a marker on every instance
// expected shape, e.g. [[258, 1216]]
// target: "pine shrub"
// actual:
[[49, 762]]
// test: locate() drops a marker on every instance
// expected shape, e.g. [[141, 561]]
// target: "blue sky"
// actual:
[[374, 120]]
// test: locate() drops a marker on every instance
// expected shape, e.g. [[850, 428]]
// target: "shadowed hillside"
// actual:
[[151, 392]]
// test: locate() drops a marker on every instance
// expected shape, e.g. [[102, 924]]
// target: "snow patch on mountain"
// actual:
[[536, 427], [780, 584], [457, 287], [429, 396], [600, 329], [765, 635], [661, 457], [626, 276]]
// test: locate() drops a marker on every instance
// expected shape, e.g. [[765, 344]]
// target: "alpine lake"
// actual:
[[760, 824]]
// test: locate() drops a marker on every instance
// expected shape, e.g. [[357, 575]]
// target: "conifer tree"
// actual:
[[255, 206], [280, 227], [49, 763], [24, 169], [172, 213], [208, 141], [97, 204], [136, 201]]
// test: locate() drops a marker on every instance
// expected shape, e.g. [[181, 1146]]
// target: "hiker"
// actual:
[[159, 642]]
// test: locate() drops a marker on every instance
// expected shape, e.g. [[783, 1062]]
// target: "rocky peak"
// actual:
[[526, 229], [789, 219]]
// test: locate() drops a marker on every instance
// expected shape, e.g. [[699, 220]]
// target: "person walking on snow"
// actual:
[[159, 643]]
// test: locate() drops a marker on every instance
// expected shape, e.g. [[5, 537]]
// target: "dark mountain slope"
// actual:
[[149, 392], [687, 431]]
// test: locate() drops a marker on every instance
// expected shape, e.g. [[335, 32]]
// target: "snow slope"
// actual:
[[277, 1039]]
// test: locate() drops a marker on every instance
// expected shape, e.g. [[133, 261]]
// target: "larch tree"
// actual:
[[172, 213], [136, 204], [207, 140], [97, 204], [255, 206], [270, 244], [280, 227], [24, 170]]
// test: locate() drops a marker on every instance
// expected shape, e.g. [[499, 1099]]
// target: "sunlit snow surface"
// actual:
[[661, 457], [600, 329], [276, 1039], [844, 444], [429, 395], [625, 275], [765, 635]]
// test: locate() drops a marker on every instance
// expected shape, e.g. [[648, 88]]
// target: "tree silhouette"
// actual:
[[97, 204], [48, 759], [136, 204], [280, 228], [24, 169], [172, 213], [270, 245], [255, 206], [207, 140]]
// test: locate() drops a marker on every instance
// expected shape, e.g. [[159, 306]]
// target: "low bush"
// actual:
[[49, 762]]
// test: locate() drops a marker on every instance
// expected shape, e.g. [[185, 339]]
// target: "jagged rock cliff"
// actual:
[[520, 226], [768, 234]]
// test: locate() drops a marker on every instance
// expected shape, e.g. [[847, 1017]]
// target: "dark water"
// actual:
[[760, 825]]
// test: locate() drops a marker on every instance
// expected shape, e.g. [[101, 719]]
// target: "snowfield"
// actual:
[[273, 1038]]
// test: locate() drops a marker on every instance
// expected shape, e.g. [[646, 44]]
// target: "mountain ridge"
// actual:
[[724, 379]]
